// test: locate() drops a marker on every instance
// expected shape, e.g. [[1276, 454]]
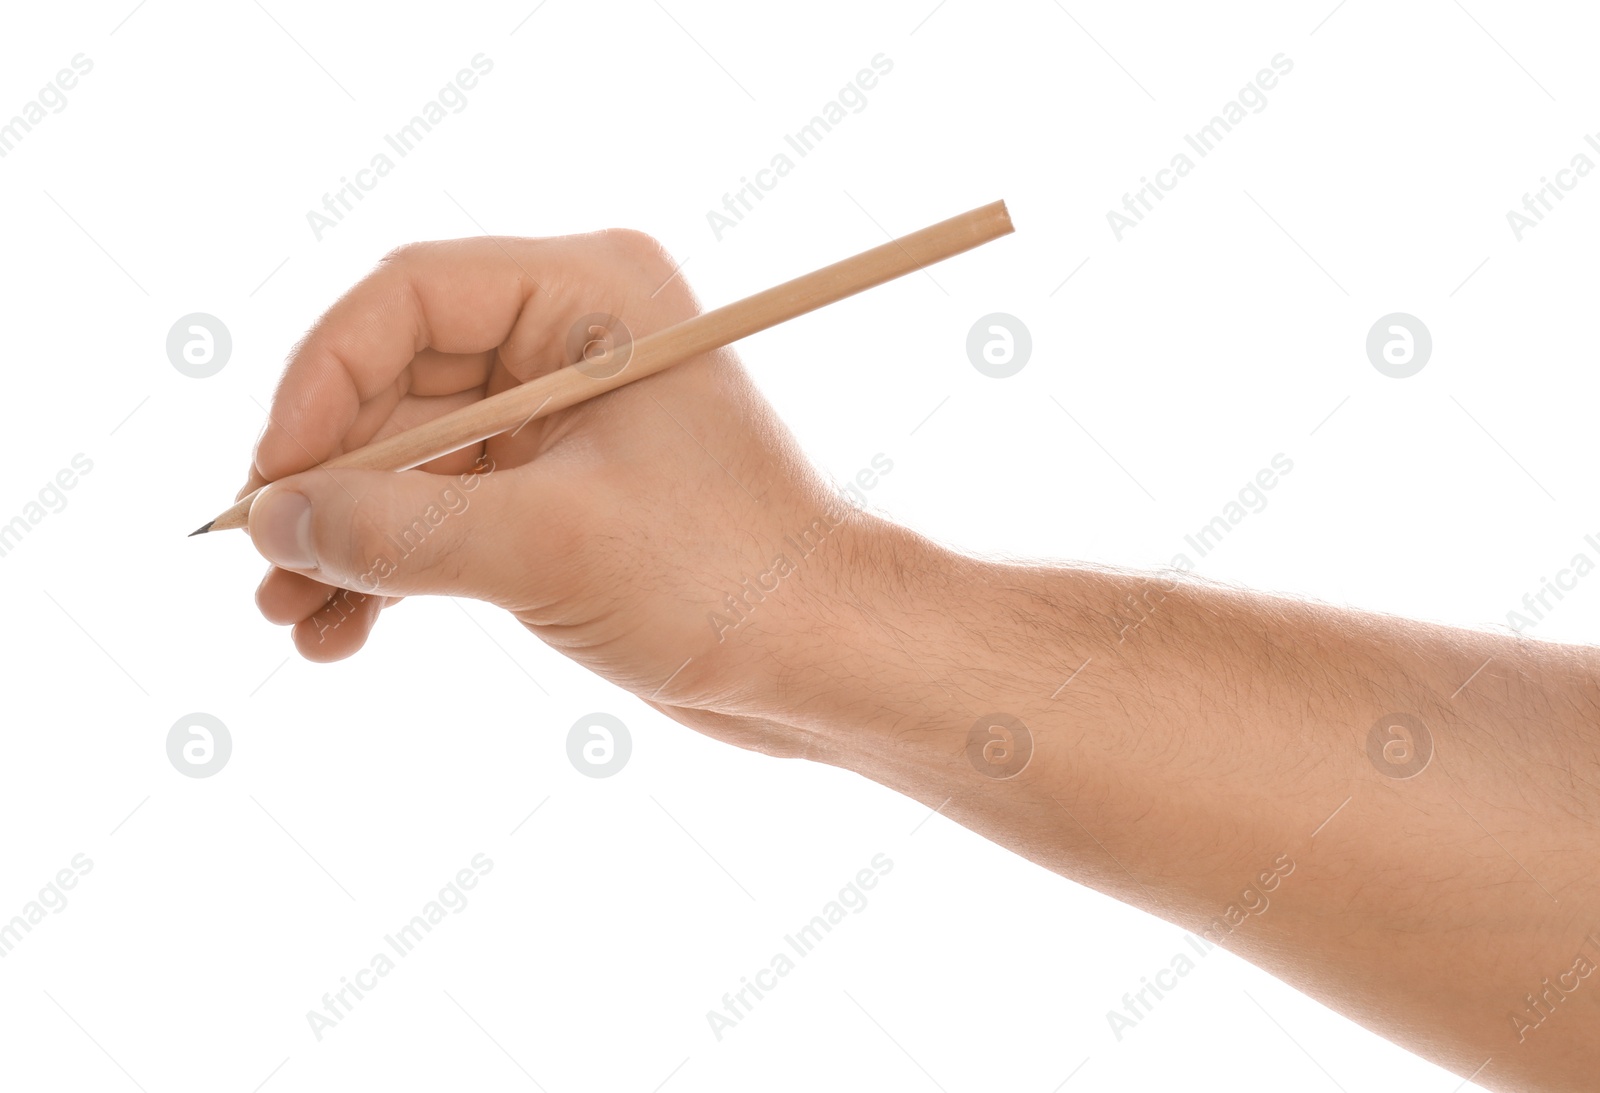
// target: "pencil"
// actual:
[[652, 353]]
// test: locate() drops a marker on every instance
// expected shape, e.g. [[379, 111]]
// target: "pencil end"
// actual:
[[202, 529], [1005, 216]]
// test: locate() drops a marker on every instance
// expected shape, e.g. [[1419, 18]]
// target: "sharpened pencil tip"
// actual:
[[202, 529]]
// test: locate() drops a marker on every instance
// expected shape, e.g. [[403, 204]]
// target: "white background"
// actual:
[[1226, 328]]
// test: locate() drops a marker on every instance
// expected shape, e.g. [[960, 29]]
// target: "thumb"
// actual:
[[408, 533]]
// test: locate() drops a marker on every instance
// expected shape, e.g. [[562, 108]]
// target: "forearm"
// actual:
[[1209, 761]]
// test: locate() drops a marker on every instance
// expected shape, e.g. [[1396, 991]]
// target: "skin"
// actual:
[[1211, 765]]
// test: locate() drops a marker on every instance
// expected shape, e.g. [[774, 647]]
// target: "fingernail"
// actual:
[[280, 525]]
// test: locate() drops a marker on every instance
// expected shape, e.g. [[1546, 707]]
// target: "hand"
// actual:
[[633, 532]]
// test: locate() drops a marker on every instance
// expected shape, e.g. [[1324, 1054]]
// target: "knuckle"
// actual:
[[406, 254], [638, 248], [396, 255]]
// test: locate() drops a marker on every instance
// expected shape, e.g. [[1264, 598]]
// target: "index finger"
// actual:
[[455, 296]]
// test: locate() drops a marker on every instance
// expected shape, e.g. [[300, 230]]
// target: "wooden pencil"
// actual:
[[652, 353]]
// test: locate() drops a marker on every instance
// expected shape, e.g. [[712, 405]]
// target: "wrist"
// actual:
[[901, 646]]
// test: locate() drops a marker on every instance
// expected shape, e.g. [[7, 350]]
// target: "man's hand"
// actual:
[[634, 532]]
